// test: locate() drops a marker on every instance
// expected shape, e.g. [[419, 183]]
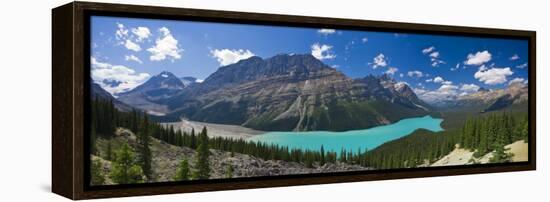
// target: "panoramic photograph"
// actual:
[[175, 100]]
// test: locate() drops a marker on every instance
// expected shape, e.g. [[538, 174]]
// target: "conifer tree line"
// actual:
[[105, 118], [485, 134], [492, 133], [420, 147]]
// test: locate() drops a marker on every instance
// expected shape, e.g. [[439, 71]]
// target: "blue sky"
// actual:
[[127, 51]]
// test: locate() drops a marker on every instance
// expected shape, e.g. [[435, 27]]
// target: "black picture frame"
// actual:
[[71, 84]]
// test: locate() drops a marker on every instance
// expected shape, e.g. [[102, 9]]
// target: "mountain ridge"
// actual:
[[294, 92], [146, 96], [494, 99]]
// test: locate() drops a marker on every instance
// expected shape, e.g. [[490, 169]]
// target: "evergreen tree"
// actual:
[[183, 172], [500, 155], [309, 159], [524, 130], [134, 121], [93, 139], [96, 169], [124, 170], [322, 160], [109, 153], [144, 149], [193, 142], [229, 171], [202, 166]]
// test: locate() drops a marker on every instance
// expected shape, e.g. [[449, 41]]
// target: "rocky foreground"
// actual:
[[166, 159]]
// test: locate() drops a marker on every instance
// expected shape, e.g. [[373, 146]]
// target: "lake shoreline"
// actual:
[[352, 140], [215, 130]]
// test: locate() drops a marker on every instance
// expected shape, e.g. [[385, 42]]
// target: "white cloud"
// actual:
[[419, 91], [142, 33], [444, 92], [227, 56], [132, 46], [436, 63], [401, 75], [514, 57], [165, 46], [493, 76], [438, 79], [482, 68], [365, 39], [516, 80], [447, 87], [392, 70], [478, 58], [133, 58], [97, 64], [524, 65], [124, 77], [469, 88], [415, 73], [456, 67], [434, 54], [379, 61], [322, 52], [428, 50], [326, 31], [121, 33], [130, 41]]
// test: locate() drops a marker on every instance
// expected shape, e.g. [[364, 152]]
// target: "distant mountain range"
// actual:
[[492, 100], [282, 93], [147, 95]]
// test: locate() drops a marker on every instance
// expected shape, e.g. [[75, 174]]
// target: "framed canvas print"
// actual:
[[155, 100]]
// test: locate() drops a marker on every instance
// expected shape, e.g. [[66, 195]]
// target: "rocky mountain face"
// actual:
[[385, 87], [147, 95], [492, 100], [294, 92]]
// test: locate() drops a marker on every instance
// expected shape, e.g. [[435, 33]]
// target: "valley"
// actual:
[[293, 114]]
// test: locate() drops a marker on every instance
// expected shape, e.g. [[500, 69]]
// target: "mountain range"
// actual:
[[287, 92], [162, 86], [492, 100], [284, 92]]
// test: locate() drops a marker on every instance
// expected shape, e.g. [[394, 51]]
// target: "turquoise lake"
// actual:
[[350, 140]]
